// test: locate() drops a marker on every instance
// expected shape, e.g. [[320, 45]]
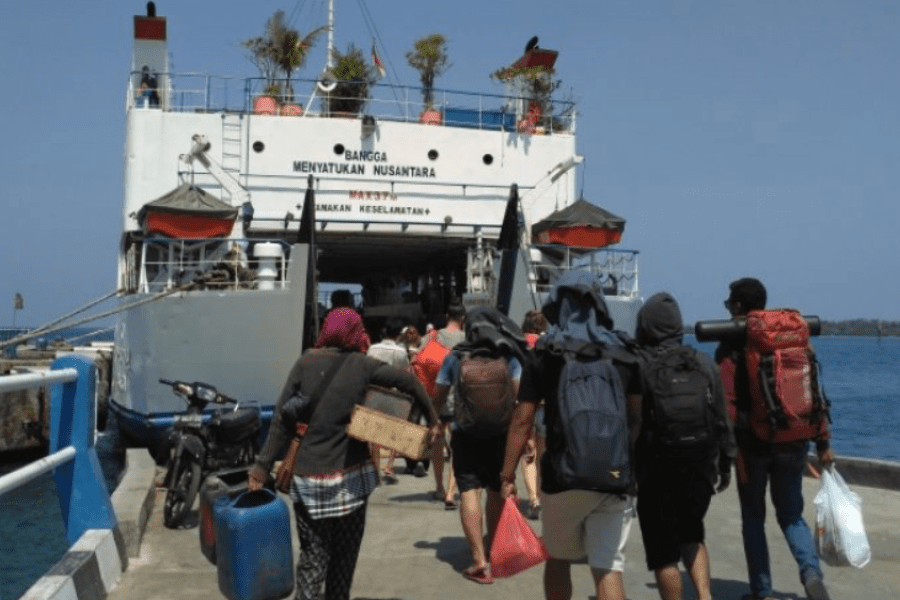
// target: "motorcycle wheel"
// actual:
[[183, 486]]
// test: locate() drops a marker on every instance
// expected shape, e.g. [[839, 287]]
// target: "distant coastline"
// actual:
[[863, 327]]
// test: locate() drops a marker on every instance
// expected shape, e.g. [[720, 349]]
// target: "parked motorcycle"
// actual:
[[203, 443]]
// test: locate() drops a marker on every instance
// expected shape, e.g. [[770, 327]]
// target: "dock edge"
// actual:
[[92, 566]]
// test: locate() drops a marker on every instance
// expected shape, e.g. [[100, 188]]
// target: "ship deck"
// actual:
[[413, 548]]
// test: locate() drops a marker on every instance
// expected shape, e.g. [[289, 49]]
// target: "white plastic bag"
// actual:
[[840, 535]]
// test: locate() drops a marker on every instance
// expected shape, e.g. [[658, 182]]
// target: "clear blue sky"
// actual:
[[737, 138]]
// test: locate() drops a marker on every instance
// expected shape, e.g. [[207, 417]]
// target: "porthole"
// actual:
[[339, 149], [258, 146], [433, 154], [488, 158]]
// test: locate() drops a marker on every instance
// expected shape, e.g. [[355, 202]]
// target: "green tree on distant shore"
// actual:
[[861, 327]]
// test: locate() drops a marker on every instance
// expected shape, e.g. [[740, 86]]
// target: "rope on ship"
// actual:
[[60, 324]]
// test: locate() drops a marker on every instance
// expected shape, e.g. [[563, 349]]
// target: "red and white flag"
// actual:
[[378, 64]]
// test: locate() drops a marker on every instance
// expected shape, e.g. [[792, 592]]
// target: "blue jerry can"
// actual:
[[253, 546]]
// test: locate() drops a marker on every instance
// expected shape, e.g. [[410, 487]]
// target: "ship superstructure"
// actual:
[[408, 209]]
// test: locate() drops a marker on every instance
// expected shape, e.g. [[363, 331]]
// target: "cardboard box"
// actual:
[[407, 439]]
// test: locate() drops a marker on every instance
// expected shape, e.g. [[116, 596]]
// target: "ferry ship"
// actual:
[[240, 209]]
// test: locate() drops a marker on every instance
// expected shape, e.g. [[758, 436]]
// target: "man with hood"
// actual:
[[576, 522], [477, 457], [676, 479]]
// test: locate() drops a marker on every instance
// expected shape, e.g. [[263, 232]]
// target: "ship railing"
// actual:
[[616, 269], [80, 485], [198, 92], [159, 264]]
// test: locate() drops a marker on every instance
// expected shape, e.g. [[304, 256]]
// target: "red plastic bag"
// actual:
[[516, 547]]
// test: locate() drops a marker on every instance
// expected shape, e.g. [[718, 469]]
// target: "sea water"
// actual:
[[861, 376], [32, 532]]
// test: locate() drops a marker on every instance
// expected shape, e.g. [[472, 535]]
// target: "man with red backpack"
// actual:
[[772, 434], [426, 365]]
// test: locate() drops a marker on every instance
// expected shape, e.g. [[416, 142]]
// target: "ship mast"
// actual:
[[329, 61]]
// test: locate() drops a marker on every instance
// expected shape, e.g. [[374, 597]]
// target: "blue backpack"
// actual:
[[593, 422]]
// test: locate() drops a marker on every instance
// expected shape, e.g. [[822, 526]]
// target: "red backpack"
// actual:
[[787, 402], [427, 363]]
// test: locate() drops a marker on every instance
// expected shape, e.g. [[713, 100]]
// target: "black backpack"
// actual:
[[593, 422], [681, 400]]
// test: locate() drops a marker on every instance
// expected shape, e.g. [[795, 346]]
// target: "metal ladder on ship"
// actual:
[[232, 145]]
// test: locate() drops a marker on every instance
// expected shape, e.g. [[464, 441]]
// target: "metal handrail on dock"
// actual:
[[25, 381], [84, 499], [80, 485]]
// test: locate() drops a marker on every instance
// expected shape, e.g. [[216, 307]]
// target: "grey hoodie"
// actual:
[[659, 322]]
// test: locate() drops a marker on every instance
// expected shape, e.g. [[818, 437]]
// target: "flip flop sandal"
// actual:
[[482, 575], [450, 505]]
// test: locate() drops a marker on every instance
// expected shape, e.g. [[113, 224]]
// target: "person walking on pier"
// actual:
[[333, 474], [484, 371], [534, 324], [685, 449], [588, 499], [427, 365], [761, 461], [389, 350]]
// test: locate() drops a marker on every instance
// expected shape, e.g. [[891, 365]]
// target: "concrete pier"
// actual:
[[414, 549]]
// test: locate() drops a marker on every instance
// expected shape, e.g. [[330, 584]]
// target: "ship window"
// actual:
[[258, 146], [338, 149], [488, 158], [433, 154]]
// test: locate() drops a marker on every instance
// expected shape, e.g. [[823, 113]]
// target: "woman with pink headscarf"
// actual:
[[333, 475]]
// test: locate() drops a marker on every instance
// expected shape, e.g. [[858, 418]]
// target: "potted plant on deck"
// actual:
[[532, 79], [353, 78], [259, 52], [429, 58], [280, 48]]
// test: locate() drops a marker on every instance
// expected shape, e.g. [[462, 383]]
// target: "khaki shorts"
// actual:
[[579, 523]]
